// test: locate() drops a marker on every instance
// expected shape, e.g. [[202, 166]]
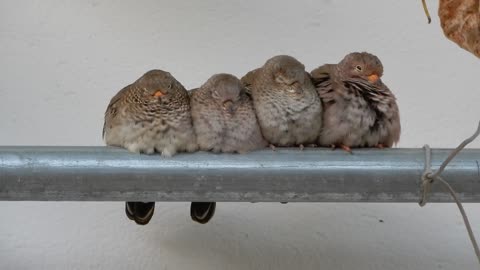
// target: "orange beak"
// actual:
[[373, 78], [158, 93]]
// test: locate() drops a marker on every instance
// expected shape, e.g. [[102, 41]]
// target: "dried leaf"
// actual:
[[460, 21]]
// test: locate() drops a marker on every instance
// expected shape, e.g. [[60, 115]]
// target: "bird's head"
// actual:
[[158, 85], [363, 66], [225, 91], [288, 73]]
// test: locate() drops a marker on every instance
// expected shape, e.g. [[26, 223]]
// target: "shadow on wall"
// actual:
[[239, 238]]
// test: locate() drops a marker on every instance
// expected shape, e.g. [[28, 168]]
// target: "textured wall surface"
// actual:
[[61, 63]]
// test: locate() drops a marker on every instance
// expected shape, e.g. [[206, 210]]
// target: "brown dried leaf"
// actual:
[[460, 21]]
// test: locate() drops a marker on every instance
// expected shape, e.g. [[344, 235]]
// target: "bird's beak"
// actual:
[[373, 78], [158, 93], [228, 106]]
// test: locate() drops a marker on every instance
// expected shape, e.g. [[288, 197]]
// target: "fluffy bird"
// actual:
[[150, 115], [224, 121], [359, 109], [286, 103], [224, 118]]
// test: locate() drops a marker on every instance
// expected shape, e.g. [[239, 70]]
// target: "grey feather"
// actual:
[[224, 118], [357, 111], [287, 105]]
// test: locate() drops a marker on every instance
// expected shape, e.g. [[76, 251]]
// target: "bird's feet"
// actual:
[[272, 147], [342, 146], [302, 147], [202, 212], [380, 146], [140, 212]]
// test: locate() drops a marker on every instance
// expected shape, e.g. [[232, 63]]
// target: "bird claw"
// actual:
[[344, 147], [301, 147], [168, 152], [380, 146], [272, 147]]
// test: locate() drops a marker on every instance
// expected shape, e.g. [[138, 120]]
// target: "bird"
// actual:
[[224, 118], [150, 115], [359, 110], [225, 122], [286, 103]]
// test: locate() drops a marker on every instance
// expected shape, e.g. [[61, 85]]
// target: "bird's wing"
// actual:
[[323, 81], [322, 73], [112, 108]]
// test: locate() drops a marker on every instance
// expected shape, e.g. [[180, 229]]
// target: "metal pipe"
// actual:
[[287, 175]]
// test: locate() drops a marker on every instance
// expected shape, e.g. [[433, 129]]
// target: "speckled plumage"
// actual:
[[224, 121], [359, 109], [151, 114], [138, 120], [287, 107], [224, 118]]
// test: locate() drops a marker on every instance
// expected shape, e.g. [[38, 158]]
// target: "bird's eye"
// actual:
[[170, 86], [358, 68]]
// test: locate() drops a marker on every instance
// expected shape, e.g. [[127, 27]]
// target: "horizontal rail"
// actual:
[[286, 175]]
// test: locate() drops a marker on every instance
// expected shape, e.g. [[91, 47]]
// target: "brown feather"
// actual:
[[140, 121], [286, 103], [221, 130], [357, 113]]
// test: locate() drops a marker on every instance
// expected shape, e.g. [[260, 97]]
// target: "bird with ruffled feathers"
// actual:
[[359, 110]]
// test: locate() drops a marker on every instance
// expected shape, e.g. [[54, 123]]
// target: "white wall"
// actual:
[[61, 63]]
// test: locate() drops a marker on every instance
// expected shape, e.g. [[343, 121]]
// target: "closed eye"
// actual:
[[292, 83]]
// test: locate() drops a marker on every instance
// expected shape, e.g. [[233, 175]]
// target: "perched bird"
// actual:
[[151, 114], [359, 109], [224, 121], [224, 118], [287, 107]]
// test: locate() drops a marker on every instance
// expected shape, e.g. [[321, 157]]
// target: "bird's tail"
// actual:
[[140, 212], [202, 212]]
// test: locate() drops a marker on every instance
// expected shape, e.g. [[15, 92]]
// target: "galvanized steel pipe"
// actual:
[[286, 175]]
